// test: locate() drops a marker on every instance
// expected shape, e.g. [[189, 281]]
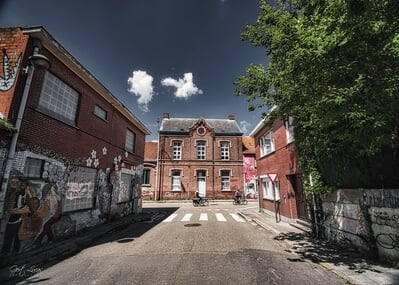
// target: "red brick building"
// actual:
[[149, 179], [199, 154], [279, 178], [73, 154]]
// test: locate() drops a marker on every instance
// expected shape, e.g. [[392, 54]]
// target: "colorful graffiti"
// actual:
[[33, 208]]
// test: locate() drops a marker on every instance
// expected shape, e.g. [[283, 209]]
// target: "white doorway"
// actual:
[[201, 182]]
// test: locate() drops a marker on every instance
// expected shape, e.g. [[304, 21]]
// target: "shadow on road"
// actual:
[[319, 251], [21, 267]]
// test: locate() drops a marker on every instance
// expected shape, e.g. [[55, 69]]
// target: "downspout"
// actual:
[[13, 144]]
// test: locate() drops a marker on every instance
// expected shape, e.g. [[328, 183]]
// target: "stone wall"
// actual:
[[365, 219]]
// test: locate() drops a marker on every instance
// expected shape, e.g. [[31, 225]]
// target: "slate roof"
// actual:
[[183, 125]]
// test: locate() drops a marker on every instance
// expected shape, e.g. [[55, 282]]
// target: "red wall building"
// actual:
[[279, 178], [199, 154], [74, 152]]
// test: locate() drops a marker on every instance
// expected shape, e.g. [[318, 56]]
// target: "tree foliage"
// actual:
[[334, 66]]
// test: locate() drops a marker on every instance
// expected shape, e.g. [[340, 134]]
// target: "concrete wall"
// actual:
[[365, 219]]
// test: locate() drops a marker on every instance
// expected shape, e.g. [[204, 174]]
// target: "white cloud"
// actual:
[[185, 86], [244, 125], [141, 86]]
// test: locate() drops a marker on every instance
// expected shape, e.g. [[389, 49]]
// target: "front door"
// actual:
[[201, 182]]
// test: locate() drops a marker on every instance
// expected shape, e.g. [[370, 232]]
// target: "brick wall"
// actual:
[[189, 165], [282, 161], [12, 47]]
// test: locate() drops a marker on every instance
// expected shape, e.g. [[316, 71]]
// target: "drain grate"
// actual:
[[124, 240]]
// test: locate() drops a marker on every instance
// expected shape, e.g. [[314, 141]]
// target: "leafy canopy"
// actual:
[[334, 66]]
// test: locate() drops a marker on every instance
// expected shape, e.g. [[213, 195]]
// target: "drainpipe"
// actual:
[[39, 61]]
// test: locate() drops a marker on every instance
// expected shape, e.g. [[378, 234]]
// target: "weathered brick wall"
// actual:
[[90, 133], [13, 58]]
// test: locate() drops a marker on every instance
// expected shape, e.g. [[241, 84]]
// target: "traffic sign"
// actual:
[[272, 176]]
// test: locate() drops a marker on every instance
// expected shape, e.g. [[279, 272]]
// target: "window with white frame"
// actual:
[[177, 148], [289, 127], [225, 179], [58, 100], [130, 142], [266, 143], [33, 167], [267, 189], [146, 176], [224, 150], [176, 180], [100, 112], [201, 150]]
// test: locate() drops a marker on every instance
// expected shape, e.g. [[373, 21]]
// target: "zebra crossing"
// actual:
[[204, 217]]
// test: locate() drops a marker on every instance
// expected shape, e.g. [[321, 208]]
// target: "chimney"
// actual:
[[231, 117], [165, 116]]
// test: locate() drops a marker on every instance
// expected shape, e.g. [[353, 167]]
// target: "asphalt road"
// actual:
[[183, 244]]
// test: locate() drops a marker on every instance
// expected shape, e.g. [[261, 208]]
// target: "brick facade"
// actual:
[[79, 172], [282, 160], [206, 173]]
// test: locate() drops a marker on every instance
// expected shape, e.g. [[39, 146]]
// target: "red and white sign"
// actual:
[[272, 176]]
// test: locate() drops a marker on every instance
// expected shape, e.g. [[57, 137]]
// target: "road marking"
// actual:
[[237, 218], [170, 218], [220, 217], [203, 217], [186, 217]]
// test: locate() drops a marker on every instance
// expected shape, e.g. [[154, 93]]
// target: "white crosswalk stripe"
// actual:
[[204, 217], [170, 218], [220, 217], [237, 218], [186, 218]]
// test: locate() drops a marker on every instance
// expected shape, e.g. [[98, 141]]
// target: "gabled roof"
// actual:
[[183, 126]]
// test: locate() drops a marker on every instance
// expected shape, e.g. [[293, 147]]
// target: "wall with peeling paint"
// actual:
[[364, 219]]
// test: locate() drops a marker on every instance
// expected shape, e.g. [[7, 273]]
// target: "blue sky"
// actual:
[[155, 56]]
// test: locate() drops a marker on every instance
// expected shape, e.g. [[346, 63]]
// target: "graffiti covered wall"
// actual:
[[365, 219], [61, 199]]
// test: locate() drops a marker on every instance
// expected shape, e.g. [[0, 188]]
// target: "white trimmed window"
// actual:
[[201, 150], [224, 150], [58, 100], [177, 149], [267, 189], [225, 178], [130, 142], [176, 180], [289, 127], [266, 144]]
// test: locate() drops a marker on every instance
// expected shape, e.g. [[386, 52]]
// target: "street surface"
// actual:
[[182, 244]]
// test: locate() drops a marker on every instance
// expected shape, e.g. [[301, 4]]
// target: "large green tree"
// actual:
[[334, 66]]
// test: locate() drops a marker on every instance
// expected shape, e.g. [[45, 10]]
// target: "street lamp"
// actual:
[[40, 62]]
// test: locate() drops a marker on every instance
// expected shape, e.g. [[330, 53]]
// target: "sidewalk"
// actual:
[[30, 262], [347, 263]]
